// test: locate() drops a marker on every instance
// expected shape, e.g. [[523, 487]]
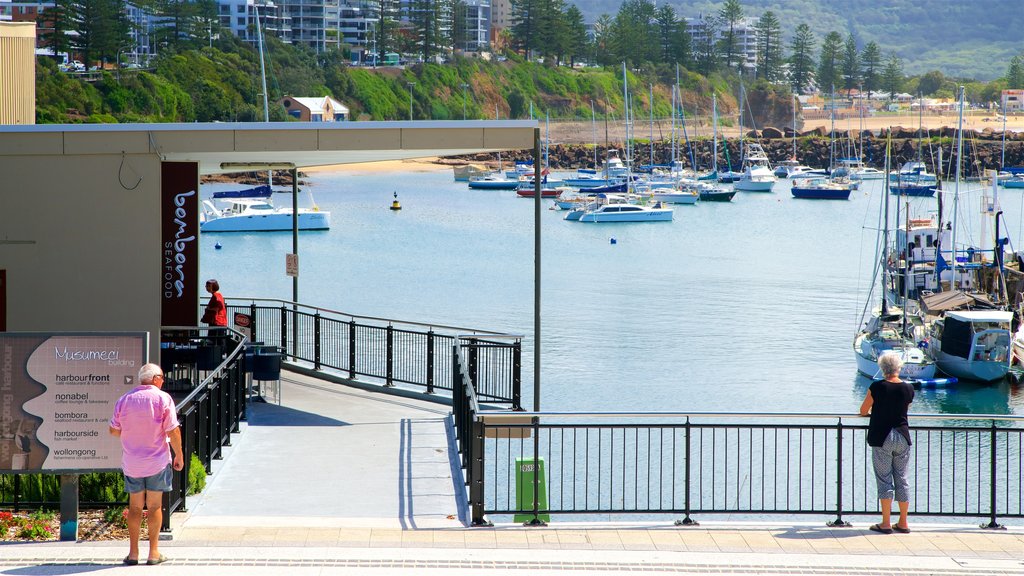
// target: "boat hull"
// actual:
[[267, 222], [913, 190], [979, 370], [754, 185], [821, 194], [679, 198], [717, 196], [915, 366], [494, 184], [646, 216]]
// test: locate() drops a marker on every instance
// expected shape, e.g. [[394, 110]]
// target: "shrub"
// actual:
[[196, 475]]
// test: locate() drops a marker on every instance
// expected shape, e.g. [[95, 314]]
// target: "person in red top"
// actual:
[[216, 313]]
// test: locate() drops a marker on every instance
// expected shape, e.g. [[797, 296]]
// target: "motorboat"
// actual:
[[258, 215], [494, 181], [866, 173], [619, 208], [711, 193], [1012, 181], [675, 195], [820, 189], [972, 344], [757, 173], [914, 172], [790, 169]]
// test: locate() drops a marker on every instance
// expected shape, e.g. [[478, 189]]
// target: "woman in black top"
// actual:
[[887, 401]]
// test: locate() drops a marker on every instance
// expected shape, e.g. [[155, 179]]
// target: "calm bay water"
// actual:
[[744, 306]]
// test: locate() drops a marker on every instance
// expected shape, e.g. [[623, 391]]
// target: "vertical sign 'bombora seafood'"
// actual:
[[179, 267]]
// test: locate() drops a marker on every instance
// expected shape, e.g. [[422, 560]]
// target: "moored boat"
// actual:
[[256, 215], [972, 344], [820, 189]]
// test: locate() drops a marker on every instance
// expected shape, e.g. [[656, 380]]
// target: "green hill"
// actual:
[[962, 38]]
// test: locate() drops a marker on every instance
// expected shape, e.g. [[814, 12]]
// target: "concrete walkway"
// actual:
[[339, 480]]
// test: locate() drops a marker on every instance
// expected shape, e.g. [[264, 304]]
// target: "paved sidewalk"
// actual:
[[339, 480]]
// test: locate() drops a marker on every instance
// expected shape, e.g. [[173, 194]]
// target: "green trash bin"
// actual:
[[525, 470]]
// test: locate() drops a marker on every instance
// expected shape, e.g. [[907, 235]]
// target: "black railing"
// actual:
[[206, 376], [384, 350], [214, 405], [644, 464]]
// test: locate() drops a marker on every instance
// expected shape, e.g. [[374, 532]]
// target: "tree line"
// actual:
[[643, 34]]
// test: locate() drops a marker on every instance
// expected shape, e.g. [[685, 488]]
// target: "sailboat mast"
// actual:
[[674, 140], [714, 120], [593, 127], [651, 105], [263, 69], [832, 133], [795, 100], [885, 227], [1002, 155], [906, 264], [625, 101], [956, 187]]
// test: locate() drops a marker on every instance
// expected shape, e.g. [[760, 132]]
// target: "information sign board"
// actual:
[[58, 392]]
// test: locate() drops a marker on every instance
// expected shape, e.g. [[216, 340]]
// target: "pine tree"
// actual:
[[871, 66], [54, 23], [668, 25], [603, 37], [801, 59], [850, 64], [524, 16], [634, 38], [576, 34], [1015, 73], [828, 63], [730, 15], [769, 47], [892, 77]]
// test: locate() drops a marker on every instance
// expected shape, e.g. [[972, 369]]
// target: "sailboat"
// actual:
[[969, 344], [889, 328], [913, 178]]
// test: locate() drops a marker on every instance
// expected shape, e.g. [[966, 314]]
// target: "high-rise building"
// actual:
[[477, 24], [501, 14], [745, 34]]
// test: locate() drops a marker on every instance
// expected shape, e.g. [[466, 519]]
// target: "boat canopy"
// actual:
[[998, 316], [263, 191], [939, 302]]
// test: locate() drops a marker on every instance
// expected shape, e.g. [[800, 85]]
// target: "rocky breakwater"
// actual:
[[982, 149]]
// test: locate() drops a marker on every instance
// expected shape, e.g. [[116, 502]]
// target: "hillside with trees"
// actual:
[[960, 38]]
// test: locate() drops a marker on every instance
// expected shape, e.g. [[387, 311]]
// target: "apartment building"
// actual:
[[745, 33]]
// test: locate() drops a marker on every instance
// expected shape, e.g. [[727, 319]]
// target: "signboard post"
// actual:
[[58, 392], [243, 322], [291, 265]]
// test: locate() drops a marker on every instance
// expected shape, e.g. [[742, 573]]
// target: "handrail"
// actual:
[[498, 417], [220, 367], [375, 318]]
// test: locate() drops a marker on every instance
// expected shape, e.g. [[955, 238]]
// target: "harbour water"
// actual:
[[744, 306]]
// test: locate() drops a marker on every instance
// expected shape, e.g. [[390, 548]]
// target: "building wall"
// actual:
[[1012, 100], [81, 252], [17, 73], [501, 14]]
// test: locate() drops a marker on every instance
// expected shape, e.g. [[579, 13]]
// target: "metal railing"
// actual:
[[212, 379], [719, 463], [391, 351], [214, 408]]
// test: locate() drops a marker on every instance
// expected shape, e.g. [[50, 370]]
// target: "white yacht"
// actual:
[[757, 171], [256, 215]]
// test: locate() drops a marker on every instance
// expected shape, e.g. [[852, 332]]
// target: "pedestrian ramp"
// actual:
[[334, 456]]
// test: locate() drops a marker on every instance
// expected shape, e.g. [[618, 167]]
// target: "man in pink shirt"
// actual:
[[146, 421]]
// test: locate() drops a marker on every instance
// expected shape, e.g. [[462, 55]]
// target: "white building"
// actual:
[[477, 25], [1012, 100], [745, 33]]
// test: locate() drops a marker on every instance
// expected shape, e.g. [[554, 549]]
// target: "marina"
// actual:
[[765, 289]]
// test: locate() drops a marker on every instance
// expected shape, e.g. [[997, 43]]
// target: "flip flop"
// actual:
[[897, 528], [878, 528], [130, 562], [161, 559]]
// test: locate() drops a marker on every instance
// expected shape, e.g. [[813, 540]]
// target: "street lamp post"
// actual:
[[464, 86], [410, 85]]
